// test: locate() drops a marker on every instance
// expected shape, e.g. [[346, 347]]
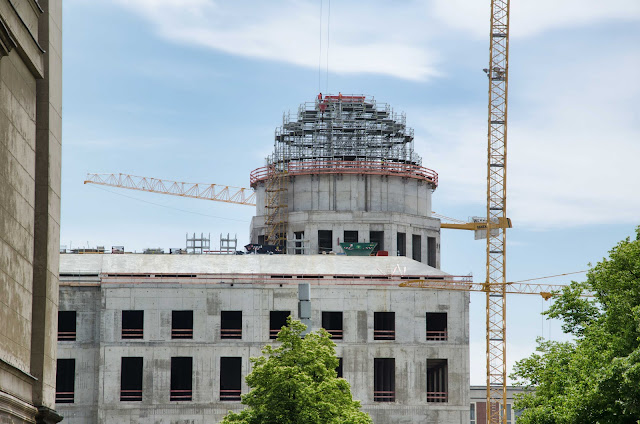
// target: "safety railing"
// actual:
[[335, 334], [132, 333], [384, 396], [405, 170], [130, 395], [437, 335], [273, 333], [182, 333], [384, 334], [66, 335], [180, 395], [437, 397], [64, 397], [230, 395], [230, 333]]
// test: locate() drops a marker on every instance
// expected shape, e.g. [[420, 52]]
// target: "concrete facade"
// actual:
[[100, 287], [361, 203], [30, 155]]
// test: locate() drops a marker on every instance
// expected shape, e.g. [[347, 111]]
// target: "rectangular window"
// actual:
[[350, 237], [299, 235], [261, 239], [65, 380], [437, 326], [377, 237], [416, 248], [66, 325], [325, 241], [277, 320], [437, 380], [339, 369], [508, 413], [131, 379], [182, 324], [132, 324], [384, 380], [431, 251], [472, 413], [181, 379], [332, 322], [384, 326], [230, 378], [231, 325], [402, 244]]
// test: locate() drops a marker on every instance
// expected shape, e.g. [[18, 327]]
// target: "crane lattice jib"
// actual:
[[496, 209], [219, 193]]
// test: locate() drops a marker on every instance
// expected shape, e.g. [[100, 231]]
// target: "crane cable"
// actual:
[[549, 276]]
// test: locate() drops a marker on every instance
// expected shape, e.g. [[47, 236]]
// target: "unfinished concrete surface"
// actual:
[[30, 136], [378, 321]]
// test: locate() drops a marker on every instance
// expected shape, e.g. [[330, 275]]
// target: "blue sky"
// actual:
[[192, 90]]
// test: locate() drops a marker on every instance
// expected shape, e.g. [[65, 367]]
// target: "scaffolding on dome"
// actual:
[[344, 128]]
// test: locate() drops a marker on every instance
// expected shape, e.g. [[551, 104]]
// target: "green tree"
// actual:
[[596, 377], [297, 383]]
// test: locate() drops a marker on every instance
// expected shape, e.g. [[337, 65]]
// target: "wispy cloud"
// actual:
[[362, 39], [371, 37], [573, 146]]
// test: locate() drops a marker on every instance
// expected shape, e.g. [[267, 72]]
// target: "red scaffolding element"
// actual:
[[396, 169]]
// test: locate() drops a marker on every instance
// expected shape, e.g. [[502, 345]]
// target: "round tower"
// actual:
[[344, 169]]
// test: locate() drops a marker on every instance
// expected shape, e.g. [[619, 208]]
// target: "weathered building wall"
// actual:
[[254, 292], [30, 135]]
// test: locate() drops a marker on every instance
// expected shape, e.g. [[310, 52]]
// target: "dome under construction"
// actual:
[[344, 169]]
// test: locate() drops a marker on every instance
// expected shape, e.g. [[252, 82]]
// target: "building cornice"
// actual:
[[24, 41]]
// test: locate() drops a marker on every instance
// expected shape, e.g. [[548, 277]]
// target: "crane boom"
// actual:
[[219, 193], [544, 290], [496, 287]]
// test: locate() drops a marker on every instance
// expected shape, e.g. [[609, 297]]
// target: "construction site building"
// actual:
[[158, 339], [344, 169]]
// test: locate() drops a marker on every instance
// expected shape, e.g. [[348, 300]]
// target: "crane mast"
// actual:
[[497, 74]]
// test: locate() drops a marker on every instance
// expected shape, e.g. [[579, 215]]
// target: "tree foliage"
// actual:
[[596, 377], [297, 383]]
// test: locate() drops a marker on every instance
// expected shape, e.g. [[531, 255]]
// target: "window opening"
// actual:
[[350, 236], [131, 379], [325, 241], [332, 322], [437, 376], [339, 368], [181, 379], [472, 413], [261, 239], [384, 380], [231, 325], [277, 320], [384, 326], [431, 251], [182, 324], [437, 326], [66, 325], [132, 324], [377, 237], [416, 249], [230, 378], [299, 235], [65, 380], [402, 244]]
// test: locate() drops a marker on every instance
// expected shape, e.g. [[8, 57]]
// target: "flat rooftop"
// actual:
[[396, 266]]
